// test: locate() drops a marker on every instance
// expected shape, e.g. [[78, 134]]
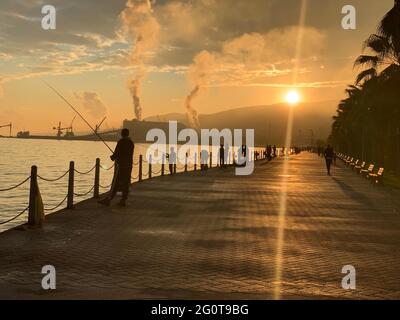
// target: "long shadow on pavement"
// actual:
[[353, 194]]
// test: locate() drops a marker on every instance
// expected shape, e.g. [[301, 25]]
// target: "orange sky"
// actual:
[[92, 54]]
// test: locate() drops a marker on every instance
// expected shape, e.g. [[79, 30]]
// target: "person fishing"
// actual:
[[329, 154], [123, 158]]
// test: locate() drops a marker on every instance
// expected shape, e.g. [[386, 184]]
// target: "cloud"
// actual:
[[5, 56], [92, 102], [257, 58]]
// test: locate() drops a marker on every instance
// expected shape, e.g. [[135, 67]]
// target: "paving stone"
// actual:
[[214, 236]]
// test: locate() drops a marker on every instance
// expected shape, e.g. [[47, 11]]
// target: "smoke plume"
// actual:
[[92, 103], [199, 72], [134, 86], [139, 24]]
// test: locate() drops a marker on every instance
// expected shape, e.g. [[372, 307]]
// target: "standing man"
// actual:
[[329, 154], [172, 161], [123, 158], [221, 156]]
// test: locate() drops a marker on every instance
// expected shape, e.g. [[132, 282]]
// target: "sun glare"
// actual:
[[292, 97]]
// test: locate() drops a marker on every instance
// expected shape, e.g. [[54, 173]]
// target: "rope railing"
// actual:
[[16, 217], [57, 206], [107, 169], [53, 180], [156, 172], [84, 194], [105, 187], [87, 172], [16, 186], [34, 214]]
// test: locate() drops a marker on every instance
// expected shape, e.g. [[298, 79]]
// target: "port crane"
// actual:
[[7, 125], [69, 129], [97, 127]]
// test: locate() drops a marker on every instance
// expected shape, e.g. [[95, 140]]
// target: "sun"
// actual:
[[293, 97]]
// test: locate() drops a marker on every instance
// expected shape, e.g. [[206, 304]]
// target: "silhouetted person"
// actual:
[[172, 160], [123, 158], [221, 156], [329, 154], [334, 158], [244, 151], [269, 153], [204, 160], [274, 149]]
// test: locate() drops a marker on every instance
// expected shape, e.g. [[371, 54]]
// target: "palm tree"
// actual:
[[385, 46], [370, 114], [389, 27]]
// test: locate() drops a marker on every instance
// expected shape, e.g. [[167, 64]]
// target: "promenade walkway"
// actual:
[[213, 236]]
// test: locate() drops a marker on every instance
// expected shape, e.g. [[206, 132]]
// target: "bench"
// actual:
[[365, 172], [377, 178], [353, 164], [360, 167], [349, 161]]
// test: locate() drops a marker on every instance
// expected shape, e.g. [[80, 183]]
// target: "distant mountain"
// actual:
[[269, 122]]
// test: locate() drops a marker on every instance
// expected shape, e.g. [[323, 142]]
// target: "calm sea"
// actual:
[[52, 158]]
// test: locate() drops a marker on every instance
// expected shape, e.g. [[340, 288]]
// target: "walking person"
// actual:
[[204, 156], [329, 154], [123, 158], [172, 161], [221, 156]]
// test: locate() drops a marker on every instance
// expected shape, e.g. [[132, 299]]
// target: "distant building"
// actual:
[[23, 134]]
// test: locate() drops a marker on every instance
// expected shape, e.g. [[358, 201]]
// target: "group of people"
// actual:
[[270, 152], [123, 158]]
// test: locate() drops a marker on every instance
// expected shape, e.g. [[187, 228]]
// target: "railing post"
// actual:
[[210, 159], [195, 161], [150, 159], [96, 191], [70, 199], [186, 162], [32, 195], [140, 167], [163, 165]]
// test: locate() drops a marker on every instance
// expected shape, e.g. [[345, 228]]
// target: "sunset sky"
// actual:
[[250, 47]]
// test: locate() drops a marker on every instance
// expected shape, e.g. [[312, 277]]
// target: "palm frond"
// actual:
[[372, 61], [378, 44], [366, 75]]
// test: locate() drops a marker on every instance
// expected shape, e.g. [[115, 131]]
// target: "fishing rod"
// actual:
[[78, 113]]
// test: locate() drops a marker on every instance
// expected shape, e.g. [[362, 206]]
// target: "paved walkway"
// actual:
[[214, 236]]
